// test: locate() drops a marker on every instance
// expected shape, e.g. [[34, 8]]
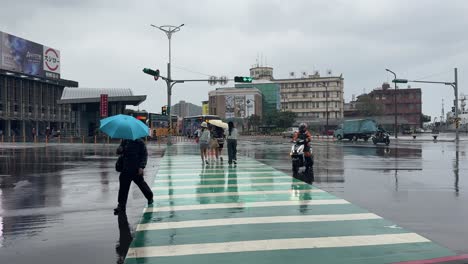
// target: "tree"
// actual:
[[280, 119], [366, 106], [285, 119], [254, 122]]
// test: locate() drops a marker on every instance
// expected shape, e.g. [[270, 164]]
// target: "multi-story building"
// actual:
[[380, 105], [235, 103], [183, 109], [270, 93], [30, 86], [313, 98], [408, 106]]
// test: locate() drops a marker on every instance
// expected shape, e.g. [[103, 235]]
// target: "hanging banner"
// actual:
[[104, 105]]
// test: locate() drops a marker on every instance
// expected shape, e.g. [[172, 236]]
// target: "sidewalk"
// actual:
[[253, 213]]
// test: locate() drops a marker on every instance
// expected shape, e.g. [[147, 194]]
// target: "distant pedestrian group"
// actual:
[[211, 141]]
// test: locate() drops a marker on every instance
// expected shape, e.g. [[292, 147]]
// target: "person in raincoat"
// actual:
[[134, 158]]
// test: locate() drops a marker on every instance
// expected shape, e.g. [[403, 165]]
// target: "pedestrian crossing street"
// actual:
[[253, 213]]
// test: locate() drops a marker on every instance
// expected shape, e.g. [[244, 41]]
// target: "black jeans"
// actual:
[[232, 150], [125, 180]]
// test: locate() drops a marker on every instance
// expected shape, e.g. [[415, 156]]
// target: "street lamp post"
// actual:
[[326, 104], [454, 84], [169, 30], [395, 130]]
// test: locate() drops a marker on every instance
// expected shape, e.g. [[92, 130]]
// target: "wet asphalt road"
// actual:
[[56, 201]]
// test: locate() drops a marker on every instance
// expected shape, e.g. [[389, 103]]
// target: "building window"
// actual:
[[338, 94], [336, 104]]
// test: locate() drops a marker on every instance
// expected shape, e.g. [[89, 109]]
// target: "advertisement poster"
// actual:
[[239, 106], [24, 56], [51, 64], [250, 104], [229, 100]]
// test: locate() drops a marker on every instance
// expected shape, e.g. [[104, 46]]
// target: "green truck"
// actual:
[[356, 129]]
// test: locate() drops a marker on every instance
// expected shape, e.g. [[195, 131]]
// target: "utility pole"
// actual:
[[169, 30], [326, 95], [395, 129], [454, 85]]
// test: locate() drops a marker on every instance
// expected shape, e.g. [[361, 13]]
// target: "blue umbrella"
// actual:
[[124, 127]]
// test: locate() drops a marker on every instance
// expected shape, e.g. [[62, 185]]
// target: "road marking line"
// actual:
[[186, 187], [256, 220], [199, 195], [157, 181], [223, 173], [242, 205], [216, 169], [275, 244]]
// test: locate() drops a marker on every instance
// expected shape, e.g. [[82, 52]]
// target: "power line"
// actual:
[[432, 75], [188, 70]]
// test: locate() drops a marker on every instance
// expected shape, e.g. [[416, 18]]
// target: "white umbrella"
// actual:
[[219, 123]]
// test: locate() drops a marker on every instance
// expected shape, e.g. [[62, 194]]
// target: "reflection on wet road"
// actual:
[[56, 202], [264, 218], [418, 185]]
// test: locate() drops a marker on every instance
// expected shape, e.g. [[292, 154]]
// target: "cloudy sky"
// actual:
[[106, 43]]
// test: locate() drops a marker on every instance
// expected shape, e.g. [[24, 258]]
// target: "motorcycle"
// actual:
[[381, 137], [298, 158]]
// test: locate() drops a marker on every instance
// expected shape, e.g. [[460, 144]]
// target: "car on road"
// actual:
[[289, 132]]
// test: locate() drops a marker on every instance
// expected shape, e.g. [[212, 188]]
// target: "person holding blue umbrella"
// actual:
[[133, 155]]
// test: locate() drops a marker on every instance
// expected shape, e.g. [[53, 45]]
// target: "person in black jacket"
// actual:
[[135, 156]]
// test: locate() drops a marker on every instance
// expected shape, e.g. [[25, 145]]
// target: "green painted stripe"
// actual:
[[220, 170], [214, 176], [219, 234], [348, 255], [221, 180], [244, 199], [231, 191], [251, 212], [250, 205], [233, 187], [243, 173]]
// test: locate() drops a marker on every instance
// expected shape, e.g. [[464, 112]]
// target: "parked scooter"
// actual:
[[381, 137], [299, 160]]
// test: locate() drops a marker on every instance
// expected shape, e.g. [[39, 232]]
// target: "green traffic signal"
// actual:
[[151, 72], [241, 79]]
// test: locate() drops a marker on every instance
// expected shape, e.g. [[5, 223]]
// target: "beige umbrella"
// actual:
[[219, 123]]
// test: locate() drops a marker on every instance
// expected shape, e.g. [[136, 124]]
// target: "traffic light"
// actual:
[[151, 72], [241, 79], [164, 110], [453, 109]]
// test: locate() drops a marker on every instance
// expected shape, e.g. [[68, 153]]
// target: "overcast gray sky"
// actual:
[[106, 43]]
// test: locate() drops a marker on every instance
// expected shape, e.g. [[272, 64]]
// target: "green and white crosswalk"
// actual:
[[253, 213]]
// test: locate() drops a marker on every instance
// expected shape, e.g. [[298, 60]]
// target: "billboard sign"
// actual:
[[239, 106], [24, 56], [104, 105]]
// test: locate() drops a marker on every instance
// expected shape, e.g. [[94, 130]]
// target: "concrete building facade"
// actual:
[[232, 102], [85, 107], [408, 107], [28, 102], [183, 109], [311, 97]]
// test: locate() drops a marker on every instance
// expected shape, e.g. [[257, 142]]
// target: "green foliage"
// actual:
[[280, 119], [254, 122], [367, 107]]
